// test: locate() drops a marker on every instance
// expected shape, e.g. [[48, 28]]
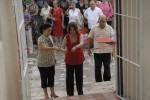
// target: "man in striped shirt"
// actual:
[[102, 37]]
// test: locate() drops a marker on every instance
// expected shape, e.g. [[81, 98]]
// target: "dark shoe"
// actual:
[[80, 93]]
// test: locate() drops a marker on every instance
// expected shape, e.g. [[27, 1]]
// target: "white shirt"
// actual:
[[92, 16], [45, 12], [73, 15]]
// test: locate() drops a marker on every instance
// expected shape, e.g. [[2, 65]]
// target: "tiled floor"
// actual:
[[89, 84]]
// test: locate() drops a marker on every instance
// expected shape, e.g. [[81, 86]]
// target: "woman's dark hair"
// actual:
[[74, 25], [44, 26], [24, 5]]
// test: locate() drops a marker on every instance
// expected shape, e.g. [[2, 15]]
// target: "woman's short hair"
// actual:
[[44, 26], [74, 25], [55, 2]]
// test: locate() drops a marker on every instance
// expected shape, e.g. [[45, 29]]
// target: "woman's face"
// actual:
[[55, 4], [47, 31], [45, 4], [32, 2], [72, 30], [73, 5]]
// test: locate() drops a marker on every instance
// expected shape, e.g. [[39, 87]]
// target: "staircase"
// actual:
[[91, 89]]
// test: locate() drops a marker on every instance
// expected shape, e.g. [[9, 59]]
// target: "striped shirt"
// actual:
[[97, 32]]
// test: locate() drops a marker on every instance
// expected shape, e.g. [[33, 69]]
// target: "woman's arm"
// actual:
[[81, 42], [67, 11], [50, 16], [79, 45], [63, 46], [28, 22], [111, 10], [43, 47], [36, 11], [62, 15]]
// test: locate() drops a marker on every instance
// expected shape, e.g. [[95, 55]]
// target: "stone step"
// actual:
[[96, 96], [88, 88]]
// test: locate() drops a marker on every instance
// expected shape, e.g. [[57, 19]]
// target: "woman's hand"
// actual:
[[63, 26], [74, 49], [63, 50], [54, 19], [56, 48]]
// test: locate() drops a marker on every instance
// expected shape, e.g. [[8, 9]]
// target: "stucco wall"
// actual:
[[10, 86]]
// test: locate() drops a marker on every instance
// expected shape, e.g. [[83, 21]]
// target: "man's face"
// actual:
[[102, 22], [92, 4]]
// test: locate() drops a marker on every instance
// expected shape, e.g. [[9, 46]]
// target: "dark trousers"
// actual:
[[105, 59], [70, 79], [47, 76]]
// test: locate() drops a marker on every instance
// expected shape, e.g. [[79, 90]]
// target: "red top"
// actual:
[[74, 58], [58, 29]]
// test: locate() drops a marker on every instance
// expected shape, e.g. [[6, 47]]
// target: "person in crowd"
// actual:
[[27, 2], [56, 14], [74, 58], [50, 3], [107, 9], [45, 11], [102, 36], [80, 5], [40, 4], [46, 60], [75, 15], [92, 14], [64, 4], [97, 2], [28, 33], [86, 5], [33, 10]]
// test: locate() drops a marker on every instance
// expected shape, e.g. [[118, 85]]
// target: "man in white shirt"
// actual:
[[92, 14], [45, 11]]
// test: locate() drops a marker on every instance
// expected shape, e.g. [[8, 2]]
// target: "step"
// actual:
[[88, 88], [96, 96]]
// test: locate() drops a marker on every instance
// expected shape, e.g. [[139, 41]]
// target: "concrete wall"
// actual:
[[145, 50], [130, 49], [136, 48], [10, 86]]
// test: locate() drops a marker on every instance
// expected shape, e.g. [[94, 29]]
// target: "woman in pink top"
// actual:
[[107, 9]]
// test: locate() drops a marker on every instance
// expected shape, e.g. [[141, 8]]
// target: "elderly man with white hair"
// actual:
[[92, 14], [102, 37]]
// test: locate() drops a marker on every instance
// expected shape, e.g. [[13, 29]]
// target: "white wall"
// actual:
[[10, 86]]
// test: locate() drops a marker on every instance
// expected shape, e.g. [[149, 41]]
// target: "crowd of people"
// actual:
[[55, 26]]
